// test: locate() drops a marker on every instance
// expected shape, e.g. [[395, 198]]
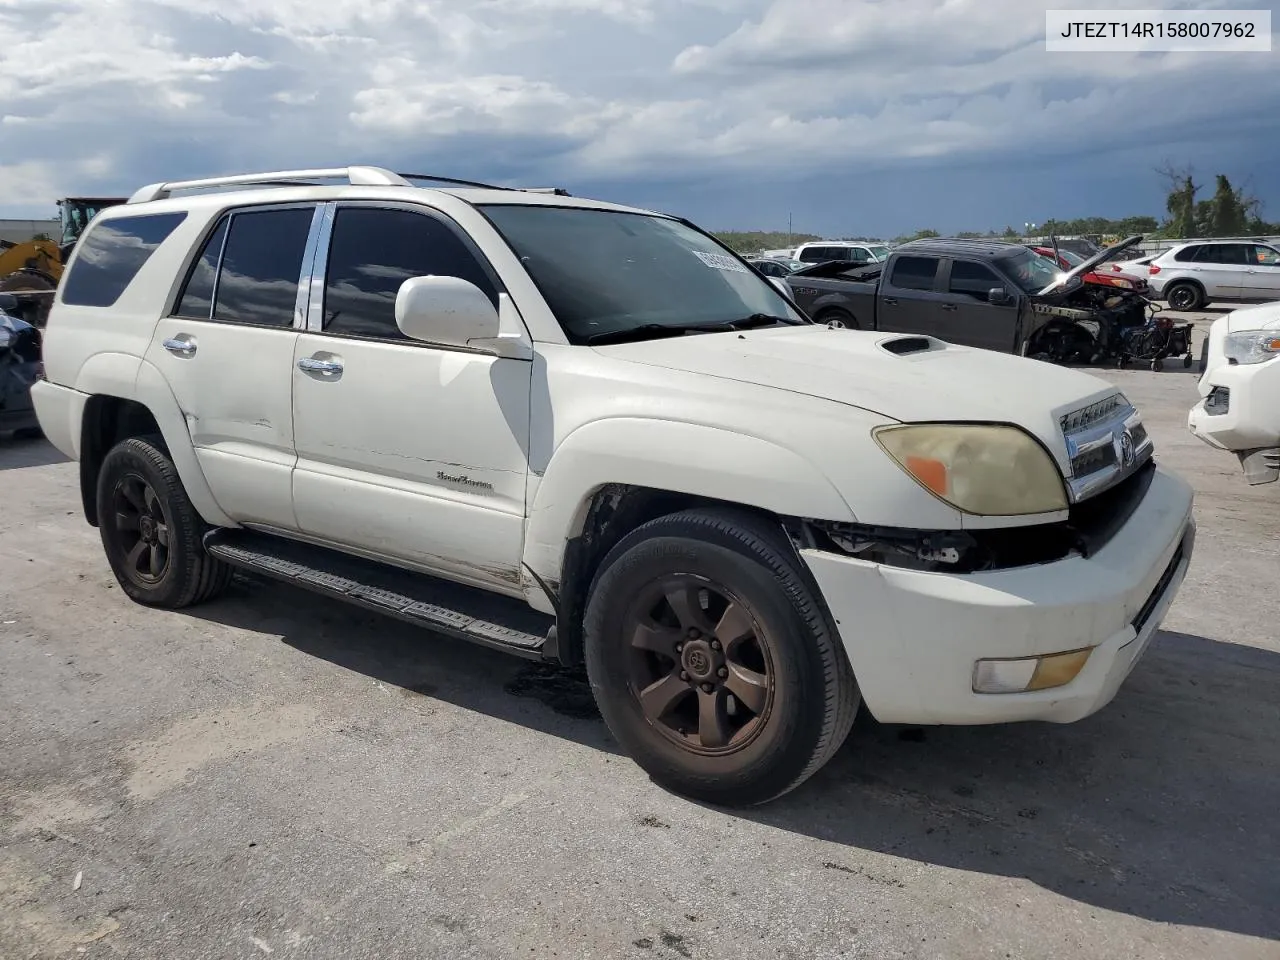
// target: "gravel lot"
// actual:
[[275, 774]]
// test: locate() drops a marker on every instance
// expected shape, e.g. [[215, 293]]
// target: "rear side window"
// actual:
[[111, 254], [1234, 253], [914, 273], [820, 254], [261, 266], [373, 252]]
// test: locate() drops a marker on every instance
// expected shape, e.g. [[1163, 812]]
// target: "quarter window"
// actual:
[[196, 300], [373, 252], [261, 266], [914, 273], [111, 254]]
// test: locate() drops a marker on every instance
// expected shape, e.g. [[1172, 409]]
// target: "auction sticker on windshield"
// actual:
[[1135, 31], [720, 261]]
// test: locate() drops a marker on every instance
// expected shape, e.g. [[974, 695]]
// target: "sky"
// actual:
[[844, 117]]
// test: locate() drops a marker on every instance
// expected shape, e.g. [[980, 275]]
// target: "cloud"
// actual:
[[559, 90]]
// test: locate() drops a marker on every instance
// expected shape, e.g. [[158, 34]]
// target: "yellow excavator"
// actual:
[[34, 267]]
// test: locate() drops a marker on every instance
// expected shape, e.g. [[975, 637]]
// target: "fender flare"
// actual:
[[673, 456]]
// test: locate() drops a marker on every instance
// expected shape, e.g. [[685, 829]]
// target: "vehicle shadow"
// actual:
[[37, 452], [1162, 806]]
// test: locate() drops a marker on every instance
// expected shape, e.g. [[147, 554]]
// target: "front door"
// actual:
[[968, 317], [408, 452], [1262, 276], [227, 353]]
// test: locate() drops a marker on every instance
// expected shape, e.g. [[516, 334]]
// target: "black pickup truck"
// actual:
[[978, 293]]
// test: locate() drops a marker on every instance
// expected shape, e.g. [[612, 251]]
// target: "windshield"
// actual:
[[605, 272], [1031, 271], [1071, 257]]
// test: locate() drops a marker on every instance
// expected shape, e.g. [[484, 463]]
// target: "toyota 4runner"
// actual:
[[590, 434]]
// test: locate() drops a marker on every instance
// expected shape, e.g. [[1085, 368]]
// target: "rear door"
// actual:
[[967, 317], [1222, 268], [1262, 276], [226, 351], [910, 300]]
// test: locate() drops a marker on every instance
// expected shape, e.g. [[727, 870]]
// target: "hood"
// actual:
[[934, 381], [1264, 316], [1089, 264]]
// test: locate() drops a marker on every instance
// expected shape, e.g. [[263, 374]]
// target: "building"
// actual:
[[20, 231]]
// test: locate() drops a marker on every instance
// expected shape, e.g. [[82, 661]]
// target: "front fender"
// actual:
[[668, 455], [152, 391]]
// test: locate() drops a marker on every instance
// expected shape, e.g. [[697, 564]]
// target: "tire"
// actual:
[[1157, 365], [143, 507], [1184, 296], [835, 313], [1186, 360], [779, 651]]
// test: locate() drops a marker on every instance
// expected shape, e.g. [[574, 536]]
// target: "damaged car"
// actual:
[[981, 293], [19, 369]]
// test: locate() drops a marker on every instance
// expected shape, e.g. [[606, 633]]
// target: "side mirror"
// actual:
[[446, 310], [8, 302], [998, 295], [781, 286]]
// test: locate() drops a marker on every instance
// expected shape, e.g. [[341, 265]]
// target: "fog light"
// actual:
[[1029, 673]]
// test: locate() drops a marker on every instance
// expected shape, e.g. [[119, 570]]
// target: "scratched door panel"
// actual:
[[413, 453]]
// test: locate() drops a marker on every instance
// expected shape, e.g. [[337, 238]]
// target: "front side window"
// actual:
[[261, 266], [973, 279], [604, 272], [1266, 256], [914, 273], [111, 254], [1031, 271], [373, 252]]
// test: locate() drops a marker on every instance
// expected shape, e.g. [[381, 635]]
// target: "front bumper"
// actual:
[[913, 637], [1252, 417]]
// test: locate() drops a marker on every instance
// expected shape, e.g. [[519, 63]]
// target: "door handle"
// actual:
[[949, 306], [312, 365], [183, 348], [890, 301]]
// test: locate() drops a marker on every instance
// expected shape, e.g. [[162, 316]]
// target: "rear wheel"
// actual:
[[1185, 296], [712, 660], [150, 531]]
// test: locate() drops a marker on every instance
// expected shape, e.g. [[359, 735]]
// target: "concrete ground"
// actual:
[[279, 775]]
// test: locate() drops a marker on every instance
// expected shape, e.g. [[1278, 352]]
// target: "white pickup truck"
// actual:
[[586, 433]]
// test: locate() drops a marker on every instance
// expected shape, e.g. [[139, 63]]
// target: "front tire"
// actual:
[[713, 661], [150, 531]]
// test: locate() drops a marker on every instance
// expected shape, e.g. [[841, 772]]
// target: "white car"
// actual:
[[585, 433], [1194, 274], [1240, 387], [822, 251]]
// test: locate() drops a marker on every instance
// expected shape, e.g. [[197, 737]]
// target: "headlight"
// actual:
[[1251, 346], [983, 469]]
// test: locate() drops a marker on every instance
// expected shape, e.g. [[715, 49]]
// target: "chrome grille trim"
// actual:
[[1106, 442]]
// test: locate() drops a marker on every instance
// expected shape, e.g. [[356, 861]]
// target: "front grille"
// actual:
[[1086, 417], [1106, 441]]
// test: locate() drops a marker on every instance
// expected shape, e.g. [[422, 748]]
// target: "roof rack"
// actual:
[[356, 176], [360, 176]]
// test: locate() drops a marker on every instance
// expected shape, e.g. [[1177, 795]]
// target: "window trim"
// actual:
[[197, 251], [319, 275]]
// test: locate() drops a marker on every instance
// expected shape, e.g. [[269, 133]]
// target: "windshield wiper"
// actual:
[[647, 331]]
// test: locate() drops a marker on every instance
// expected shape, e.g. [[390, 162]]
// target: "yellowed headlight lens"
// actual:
[[984, 469]]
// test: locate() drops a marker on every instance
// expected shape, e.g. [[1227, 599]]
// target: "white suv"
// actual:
[[1195, 274], [586, 433], [823, 251]]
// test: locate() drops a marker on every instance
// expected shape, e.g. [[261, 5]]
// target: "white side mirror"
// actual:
[[446, 310]]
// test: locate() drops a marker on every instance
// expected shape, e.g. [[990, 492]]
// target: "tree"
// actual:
[[1226, 211]]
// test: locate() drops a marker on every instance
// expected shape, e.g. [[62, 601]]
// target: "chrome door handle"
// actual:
[[183, 348], [312, 365]]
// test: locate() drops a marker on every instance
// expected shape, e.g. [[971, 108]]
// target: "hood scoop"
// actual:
[[907, 345]]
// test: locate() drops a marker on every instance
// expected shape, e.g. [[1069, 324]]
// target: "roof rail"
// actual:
[[557, 191], [356, 176]]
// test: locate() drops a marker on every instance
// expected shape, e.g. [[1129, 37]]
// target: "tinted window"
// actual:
[[373, 252], [111, 254], [196, 299], [1187, 253], [914, 273], [973, 279], [261, 264], [1236, 253]]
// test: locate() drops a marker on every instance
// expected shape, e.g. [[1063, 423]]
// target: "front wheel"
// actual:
[[150, 531], [712, 659]]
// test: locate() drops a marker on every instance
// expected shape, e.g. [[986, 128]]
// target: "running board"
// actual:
[[467, 613]]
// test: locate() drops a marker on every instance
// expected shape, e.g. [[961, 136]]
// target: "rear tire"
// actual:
[[746, 689], [1184, 297], [150, 531]]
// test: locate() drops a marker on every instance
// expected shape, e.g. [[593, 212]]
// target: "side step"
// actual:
[[465, 612]]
